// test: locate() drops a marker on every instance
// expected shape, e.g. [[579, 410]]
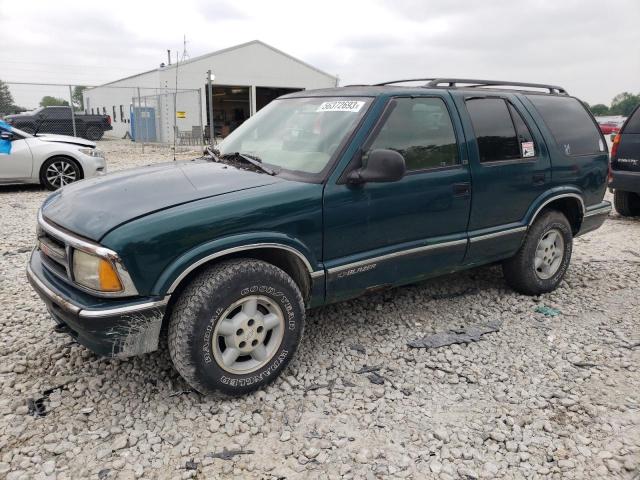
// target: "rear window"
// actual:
[[633, 124], [570, 124], [494, 129]]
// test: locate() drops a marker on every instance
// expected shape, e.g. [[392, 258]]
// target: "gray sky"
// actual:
[[592, 48]]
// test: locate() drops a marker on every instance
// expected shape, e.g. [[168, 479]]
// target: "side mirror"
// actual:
[[382, 166], [4, 135]]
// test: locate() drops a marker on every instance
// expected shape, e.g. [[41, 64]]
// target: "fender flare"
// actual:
[[178, 270], [551, 196]]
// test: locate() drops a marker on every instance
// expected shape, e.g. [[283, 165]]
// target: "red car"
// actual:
[[608, 128]]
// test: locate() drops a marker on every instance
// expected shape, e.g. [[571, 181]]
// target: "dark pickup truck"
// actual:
[[58, 120]]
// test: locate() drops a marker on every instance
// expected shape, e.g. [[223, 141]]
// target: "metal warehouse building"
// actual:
[[246, 78]]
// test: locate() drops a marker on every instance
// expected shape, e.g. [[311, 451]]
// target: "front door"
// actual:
[[510, 167], [382, 234], [15, 159]]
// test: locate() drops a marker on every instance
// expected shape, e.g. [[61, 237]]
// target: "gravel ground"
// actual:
[[544, 397]]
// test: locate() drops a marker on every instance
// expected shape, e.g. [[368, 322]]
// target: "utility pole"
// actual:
[[210, 78]]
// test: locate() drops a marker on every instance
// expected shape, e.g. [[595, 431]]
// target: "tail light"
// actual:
[[108, 119], [614, 146]]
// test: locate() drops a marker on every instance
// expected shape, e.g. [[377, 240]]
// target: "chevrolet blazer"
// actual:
[[320, 197]]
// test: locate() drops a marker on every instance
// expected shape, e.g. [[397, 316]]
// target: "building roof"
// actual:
[[219, 52]]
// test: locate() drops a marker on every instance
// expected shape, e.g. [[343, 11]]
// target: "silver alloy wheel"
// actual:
[[61, 173], [549, 254], [248, 334]]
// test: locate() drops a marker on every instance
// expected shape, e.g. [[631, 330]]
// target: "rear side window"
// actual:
[[494, 129], [633, 125], [570, 124], [420, 129]]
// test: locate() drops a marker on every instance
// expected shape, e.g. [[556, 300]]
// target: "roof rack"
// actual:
[[474, 83]]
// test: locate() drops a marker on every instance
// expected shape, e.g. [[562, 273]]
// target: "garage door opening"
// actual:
[[231, 107], [265, 95]]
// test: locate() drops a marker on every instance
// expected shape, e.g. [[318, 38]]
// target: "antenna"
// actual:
[[185, 54], [175, 111]]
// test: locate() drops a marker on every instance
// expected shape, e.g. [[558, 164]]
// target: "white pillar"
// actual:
[[252, 96]]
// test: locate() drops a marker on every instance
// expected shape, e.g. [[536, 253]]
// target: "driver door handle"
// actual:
[[461, 189]]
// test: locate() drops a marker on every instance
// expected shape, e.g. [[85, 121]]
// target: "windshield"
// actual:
[[299, 135]]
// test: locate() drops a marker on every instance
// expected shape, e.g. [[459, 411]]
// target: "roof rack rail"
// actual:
[[402, 81], [474, 83]]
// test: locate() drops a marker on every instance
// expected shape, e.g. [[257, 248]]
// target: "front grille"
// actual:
[[55, 254]]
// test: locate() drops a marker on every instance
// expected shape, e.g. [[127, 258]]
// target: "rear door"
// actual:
[[381, 234], [627, 156], [510, 167]]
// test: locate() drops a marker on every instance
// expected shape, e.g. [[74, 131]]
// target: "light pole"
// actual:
[[210, 78]]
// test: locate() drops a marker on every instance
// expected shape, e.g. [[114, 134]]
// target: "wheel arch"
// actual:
[[291, 260], [570, 204]]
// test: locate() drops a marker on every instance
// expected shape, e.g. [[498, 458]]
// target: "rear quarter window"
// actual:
[[571, 125], [633, 124]]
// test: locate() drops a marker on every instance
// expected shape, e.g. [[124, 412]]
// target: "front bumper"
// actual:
[[92, 166], [625, 181], [114, 328], [594, 217]]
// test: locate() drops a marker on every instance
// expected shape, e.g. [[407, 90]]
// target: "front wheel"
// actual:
[[543, 259], [58, 172], [236, 326]]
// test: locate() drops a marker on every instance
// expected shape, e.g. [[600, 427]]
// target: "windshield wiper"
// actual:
[[253, 160], [213, 153]]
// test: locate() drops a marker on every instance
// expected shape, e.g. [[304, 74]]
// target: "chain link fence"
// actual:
[[162, 119]]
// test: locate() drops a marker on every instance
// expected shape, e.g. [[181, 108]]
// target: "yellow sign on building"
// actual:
[[181, 114]]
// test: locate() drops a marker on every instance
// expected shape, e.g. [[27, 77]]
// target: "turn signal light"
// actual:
[[109, 281]]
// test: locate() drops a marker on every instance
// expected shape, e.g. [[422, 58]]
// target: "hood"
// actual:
[[91, 208], [65, 139]]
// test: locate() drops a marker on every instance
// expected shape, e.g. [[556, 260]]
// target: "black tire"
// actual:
[[520, 271], [627, 203], [206, 302], [70, 167], [93, 133]]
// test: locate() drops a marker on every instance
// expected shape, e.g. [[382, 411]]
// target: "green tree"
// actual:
[[49, 101], [76, 97], [624, 103], [6, 99], [599, 109]]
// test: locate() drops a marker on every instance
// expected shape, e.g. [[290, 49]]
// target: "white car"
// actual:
[[51, 160]]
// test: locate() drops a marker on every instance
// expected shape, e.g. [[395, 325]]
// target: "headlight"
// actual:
[[92, 152], [95, 272]]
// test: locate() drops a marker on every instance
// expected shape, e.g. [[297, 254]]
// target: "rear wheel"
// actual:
[[543, 259], [93, 133], [236, 326], [58, 172], [627, 203]]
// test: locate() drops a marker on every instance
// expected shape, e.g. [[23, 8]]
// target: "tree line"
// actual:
[[622, 104], [8, 106]]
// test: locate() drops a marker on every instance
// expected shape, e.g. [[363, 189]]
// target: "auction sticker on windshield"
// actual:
[[341, 106]]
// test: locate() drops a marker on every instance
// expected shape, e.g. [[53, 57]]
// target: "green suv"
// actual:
[[320, 197]]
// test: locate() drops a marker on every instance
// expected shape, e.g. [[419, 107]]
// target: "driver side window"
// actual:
[[420, 129]]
